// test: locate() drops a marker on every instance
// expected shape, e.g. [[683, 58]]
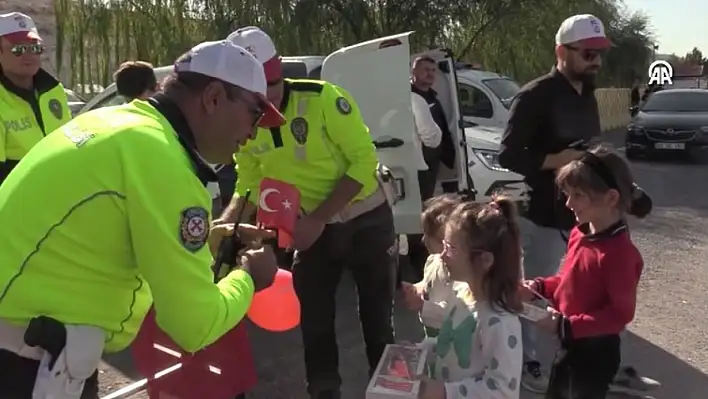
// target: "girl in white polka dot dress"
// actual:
[[477, 353]]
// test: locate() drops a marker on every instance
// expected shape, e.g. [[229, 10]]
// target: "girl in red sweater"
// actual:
[[593, 296]]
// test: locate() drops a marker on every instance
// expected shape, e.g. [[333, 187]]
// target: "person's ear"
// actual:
[[211, 96], [613, 197], [561, 51], [486, 259]]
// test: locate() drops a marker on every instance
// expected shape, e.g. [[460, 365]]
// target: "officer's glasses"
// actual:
[[20, 49], [255, 110], [587, 55]]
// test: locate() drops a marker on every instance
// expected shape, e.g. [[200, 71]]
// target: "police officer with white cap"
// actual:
[[32, 102]]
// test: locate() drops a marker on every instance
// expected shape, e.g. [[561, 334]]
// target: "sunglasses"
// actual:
[[20, 49], [254, 108], [256, 111], [587, 54]]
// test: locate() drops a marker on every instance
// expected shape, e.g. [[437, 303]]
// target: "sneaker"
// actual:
[[533, 379], [630, 382]]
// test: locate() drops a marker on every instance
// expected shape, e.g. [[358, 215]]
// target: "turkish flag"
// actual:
[[222, 370], [278, 208]]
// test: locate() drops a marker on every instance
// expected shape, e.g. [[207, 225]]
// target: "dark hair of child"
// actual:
[[133, 78], [600, 170], [436, 211], [493, 227]]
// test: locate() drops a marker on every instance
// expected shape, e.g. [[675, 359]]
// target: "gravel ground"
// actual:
[[667, 340]]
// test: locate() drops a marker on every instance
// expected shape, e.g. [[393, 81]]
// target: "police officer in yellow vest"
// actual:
[[325, 150], [32, 102], [124, 206]]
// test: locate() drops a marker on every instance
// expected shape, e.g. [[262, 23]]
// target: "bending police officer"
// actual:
[[33, 102], [129, 208], [325, 150]]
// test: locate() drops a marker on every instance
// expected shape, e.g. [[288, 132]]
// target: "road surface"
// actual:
[[668, 339]]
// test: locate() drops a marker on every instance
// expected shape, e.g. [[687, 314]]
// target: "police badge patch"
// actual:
[[343, 106], [55, 108], [194, 228], [299, 129]]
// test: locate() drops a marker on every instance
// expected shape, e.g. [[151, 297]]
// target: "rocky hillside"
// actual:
[[42, 11]]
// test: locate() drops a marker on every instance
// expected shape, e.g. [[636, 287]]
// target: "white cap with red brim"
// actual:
[[232, 64], [17, 27], [584, 29]]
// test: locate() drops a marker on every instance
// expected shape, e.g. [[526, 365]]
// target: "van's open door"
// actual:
[[377, 74]]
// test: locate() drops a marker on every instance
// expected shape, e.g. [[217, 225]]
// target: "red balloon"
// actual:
[[276, 308]]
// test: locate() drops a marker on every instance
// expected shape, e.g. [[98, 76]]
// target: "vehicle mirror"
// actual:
[[633, 110]]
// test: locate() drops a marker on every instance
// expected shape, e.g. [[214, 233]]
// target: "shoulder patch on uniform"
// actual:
[[194, 228], [343, 106], [55, 108], [306, 85]]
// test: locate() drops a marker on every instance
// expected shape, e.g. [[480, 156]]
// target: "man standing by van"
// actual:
[[433, 137], [550, 115], [33, 102], [324, 150]]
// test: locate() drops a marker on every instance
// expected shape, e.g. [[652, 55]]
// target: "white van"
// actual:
[[377, 74]]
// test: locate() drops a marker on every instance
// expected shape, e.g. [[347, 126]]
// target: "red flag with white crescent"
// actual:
[[278, 208]]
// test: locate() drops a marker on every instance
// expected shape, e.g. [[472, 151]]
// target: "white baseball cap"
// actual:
[[18, 27], [261, 46], [232, 64], [584, 28]]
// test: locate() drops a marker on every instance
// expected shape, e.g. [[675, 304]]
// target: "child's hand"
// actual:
[[550, 323], [412, 299], [431, 389], [526, 290]]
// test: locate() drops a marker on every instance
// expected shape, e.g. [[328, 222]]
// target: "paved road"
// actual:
[[668, 340]]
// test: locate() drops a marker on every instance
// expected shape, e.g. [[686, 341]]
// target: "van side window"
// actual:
[[474, 102]]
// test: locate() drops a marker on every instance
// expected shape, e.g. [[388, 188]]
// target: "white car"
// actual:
[[485, 97], [76, 103], [377, 74]]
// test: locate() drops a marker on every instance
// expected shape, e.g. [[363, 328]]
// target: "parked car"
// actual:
[[671, 120], [377, 74], [76, 103]]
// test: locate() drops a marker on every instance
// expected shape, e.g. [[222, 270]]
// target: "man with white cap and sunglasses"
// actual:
[[33, 102], [128, 209], [326, 151], [553, 119]]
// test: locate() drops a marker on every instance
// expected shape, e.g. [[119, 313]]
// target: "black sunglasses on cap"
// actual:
[[586, 53], [34, 48]]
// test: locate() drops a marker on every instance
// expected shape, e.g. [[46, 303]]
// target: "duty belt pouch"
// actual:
[[387, 183], [63, 376]]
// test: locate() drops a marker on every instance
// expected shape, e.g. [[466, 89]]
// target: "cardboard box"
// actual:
[[395, 376]]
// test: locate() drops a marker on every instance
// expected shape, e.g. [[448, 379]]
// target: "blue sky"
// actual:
[[678, 25]]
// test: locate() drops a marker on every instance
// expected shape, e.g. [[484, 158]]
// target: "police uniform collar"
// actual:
[[612, 231], [176, 118], [43, 82]]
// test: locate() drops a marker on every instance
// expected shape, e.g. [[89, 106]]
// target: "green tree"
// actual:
[[511, 36], [695, 57]]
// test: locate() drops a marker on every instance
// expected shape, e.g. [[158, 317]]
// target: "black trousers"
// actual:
[[367, 246], [17, 377], [427, 179], [585, 368]]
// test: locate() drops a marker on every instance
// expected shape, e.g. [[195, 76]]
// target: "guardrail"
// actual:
[[614, 107]]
